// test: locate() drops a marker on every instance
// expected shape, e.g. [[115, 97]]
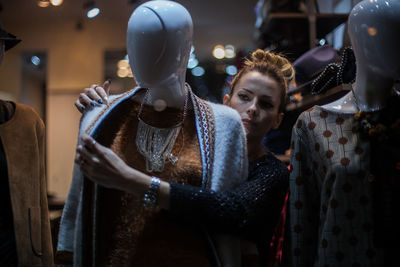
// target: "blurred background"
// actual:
[[68, 45]]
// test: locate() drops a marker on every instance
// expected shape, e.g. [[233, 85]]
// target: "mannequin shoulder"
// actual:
[[344, 105], [225, 112], [28, 114], [27, 111], [98, 113]]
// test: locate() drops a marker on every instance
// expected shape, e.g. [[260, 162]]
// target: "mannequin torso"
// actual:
[[145, 236], [334, 197], [113, 228]]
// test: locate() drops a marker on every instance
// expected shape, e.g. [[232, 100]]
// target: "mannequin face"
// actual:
[[159, 39], [374, 27], [257, 98]]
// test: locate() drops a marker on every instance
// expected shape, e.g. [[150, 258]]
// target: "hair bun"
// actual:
[[267, 57]]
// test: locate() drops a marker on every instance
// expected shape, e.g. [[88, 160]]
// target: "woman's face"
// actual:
[[256, 97]]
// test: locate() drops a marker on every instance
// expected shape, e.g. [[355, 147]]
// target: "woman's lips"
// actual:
[[247, 122]]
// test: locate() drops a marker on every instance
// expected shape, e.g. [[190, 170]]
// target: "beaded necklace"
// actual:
[[156, 144]]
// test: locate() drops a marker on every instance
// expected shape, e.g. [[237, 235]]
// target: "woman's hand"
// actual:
[[95, 95], [101, 165]]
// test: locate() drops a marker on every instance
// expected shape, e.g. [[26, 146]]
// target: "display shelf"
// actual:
[[313, 24], [320, 99]]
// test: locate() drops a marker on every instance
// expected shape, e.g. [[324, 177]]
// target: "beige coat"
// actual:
[[23, 141]]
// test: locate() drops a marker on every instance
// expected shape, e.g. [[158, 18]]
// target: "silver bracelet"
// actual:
[[150, 198]]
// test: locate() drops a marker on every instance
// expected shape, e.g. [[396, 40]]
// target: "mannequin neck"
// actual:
[[165, 95], [371, 89]]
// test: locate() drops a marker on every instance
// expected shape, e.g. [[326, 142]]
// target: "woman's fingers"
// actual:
[[79, 106], [85, 155], [92, 145], [93, 94], [85, 101], [105, 91]]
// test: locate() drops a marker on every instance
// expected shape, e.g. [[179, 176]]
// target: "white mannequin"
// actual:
[[331, 163], [374, 28], [211, 139], [158, 40]]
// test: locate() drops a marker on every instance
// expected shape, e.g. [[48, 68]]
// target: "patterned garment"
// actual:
[[331, 209]]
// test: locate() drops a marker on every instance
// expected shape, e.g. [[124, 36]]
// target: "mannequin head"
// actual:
[[374, 27], [159, 39]]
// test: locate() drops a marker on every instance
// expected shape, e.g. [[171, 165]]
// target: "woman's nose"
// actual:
[[252, 109]]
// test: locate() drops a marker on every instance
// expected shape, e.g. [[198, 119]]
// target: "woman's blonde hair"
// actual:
[[271, 64]]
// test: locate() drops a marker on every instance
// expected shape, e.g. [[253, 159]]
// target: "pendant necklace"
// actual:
[[155, 143]]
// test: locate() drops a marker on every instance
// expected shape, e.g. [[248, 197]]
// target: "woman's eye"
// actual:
[[266, 105], [243, 97]]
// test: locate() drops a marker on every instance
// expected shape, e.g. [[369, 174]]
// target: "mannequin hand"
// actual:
[[101, 165], [95, 95]]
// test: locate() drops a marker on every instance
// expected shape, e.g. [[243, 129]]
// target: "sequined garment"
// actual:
[[140, 237], [251, 210]]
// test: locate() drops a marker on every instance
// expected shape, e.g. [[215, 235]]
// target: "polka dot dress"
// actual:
[[330, 212]]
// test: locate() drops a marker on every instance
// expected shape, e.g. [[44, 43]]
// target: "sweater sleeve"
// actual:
[[303, 201], [250, 210]]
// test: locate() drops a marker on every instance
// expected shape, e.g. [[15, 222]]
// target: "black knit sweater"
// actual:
[[250, 211]]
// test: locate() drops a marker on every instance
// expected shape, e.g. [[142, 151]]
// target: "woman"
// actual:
[[252, 209]]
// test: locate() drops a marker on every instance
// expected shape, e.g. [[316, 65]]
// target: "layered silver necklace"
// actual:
[[156, 144]]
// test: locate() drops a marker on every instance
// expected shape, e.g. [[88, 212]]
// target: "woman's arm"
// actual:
[[252, 206], [103, 166], [250, 210]]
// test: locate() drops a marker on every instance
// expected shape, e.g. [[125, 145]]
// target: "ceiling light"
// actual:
[[122, 73], [218, 52], [198, 71], [56, 2], [231, 70], [193, 62], [230, 51], [35, 60], [92, 10], [123, 64], [43, 3]]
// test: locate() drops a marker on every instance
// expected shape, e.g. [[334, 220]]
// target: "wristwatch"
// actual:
[[150, 198]]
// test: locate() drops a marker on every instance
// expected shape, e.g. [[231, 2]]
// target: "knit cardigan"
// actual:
[[224, 160]]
